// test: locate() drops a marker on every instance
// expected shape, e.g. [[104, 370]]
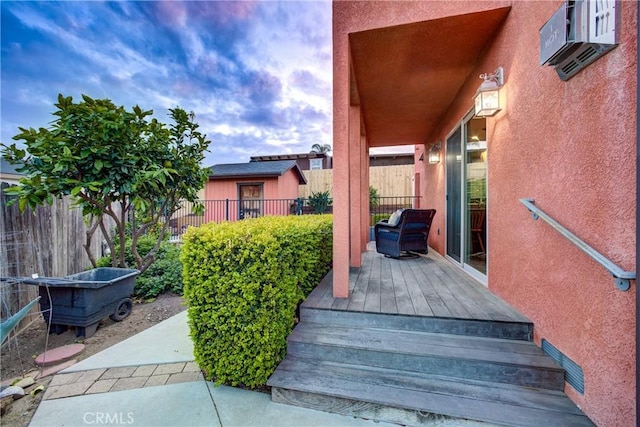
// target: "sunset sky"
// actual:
[[256, 74]]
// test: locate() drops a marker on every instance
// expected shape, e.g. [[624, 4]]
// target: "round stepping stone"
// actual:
[[59, 355], [55, 369]]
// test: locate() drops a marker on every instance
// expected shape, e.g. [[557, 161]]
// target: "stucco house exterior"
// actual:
[[244, 190], [407, 73]]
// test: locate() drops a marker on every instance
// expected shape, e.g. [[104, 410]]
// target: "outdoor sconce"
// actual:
[[487, 98], [434, 153]]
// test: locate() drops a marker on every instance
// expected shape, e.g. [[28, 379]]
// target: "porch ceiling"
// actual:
[[405, 77]]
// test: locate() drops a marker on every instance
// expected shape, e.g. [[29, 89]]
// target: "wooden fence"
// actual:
[[47, 242], [390, 181]]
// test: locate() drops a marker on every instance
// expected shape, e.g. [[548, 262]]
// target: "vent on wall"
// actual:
[[573, 374], [580, 32]]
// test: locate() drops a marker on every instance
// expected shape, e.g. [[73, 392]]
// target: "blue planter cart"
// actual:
[[83, 299]]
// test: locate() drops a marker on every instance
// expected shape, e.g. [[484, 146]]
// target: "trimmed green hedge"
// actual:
[[243, 282], [375, 218]]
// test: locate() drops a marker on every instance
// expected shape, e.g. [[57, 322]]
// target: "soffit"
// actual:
[[405, 77]]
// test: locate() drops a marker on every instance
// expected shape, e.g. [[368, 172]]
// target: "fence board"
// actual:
[[390, 181]]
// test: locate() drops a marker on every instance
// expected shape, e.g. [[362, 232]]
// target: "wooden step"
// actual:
[[477, 358], [412, 398], [478, 328]]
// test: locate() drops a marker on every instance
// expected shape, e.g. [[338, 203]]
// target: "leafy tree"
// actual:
[[321, 148], [117, 164]]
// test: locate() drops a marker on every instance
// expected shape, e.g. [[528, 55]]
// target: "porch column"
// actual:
[[355, 187], [341, 160], [341, 198]]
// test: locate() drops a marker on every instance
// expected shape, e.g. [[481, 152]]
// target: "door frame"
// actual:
[[260, 201], [476, 274]]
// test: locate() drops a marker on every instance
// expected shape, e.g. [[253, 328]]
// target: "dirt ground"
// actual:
[[18, 353]]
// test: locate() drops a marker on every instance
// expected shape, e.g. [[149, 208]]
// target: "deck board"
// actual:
[[404, 304], [440, 283], [431, 293], [325, 293], [359, 294], [387, 291], [428, 285], [372, 299], [418, 299]]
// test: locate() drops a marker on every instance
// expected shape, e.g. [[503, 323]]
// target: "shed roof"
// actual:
[[8, 168], [272, 157], [256, 170]]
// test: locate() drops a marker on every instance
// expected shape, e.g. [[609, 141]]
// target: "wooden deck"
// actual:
[[428, 286], [418, 340]]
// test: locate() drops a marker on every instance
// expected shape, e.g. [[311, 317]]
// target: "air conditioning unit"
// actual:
[[580, 32]]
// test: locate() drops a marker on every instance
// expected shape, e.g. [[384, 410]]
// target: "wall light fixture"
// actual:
[[434, 152], [487, 98]]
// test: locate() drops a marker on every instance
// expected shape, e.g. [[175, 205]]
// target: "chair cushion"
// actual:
[[394, 219]]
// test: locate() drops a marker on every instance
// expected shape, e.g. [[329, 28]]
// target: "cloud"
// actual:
[[260, 71], [262, 87], [309, 83]]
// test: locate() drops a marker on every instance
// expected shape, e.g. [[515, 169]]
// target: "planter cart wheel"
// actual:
[[123, 310]]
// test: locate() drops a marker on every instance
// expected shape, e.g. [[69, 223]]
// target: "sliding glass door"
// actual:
[[467, 196], [454, 196], [476, 195]]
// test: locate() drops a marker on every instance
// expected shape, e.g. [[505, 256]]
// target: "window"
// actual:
[[315, 164]]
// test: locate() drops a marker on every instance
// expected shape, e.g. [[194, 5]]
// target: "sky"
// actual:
[[257, 74]]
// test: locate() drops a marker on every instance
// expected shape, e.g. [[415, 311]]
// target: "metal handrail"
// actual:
[[621, 277]]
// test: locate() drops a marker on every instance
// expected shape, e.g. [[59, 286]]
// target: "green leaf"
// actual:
[[22, 204]]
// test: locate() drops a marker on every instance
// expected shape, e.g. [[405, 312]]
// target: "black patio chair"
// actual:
[[409, 235]]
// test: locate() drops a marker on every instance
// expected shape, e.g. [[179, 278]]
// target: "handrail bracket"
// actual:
[[622, 284]]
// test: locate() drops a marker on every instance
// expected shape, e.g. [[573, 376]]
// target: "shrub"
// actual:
[[375, 218], [374, 197], [320, 201], [243, 281], [164, 275]]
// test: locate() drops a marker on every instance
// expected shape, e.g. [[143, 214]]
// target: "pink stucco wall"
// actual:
[[288, 186], [430, 188], [274, 188], [570, 146]]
